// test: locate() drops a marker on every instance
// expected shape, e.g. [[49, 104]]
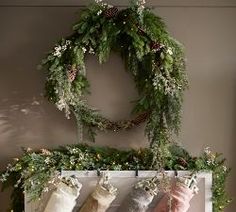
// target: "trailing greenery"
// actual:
[[34, 170], [151, 56]]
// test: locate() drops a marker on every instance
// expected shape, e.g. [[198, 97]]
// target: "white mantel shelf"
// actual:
[[124, 181]]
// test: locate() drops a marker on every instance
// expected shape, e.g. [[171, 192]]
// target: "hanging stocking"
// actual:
[[101, 198], [178, 200], [63, 199], [141, 196]]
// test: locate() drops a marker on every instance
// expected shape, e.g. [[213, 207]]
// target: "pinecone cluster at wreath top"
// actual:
[[111, 12], [71, 73]]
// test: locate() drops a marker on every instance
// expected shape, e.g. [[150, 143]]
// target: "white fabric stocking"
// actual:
[[63, 199]]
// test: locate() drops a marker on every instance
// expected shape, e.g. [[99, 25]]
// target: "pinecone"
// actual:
[[111, 12], [71, 73], [141, 31], [182, 162], [155, 46]]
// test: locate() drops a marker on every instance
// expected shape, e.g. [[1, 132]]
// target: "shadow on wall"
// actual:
[[19, 118], [26, 118], [26, 122], [15, 115]]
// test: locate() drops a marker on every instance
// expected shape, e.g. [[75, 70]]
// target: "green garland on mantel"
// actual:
[[153, 58], [34, 170]]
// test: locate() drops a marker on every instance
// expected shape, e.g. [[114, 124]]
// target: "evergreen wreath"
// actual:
[[151, 56]]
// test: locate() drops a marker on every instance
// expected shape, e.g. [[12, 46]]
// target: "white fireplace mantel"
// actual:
[[124, 180]]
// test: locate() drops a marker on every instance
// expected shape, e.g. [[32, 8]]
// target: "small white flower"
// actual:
[[169, 51], [61, 104], [91, 50], [141, 2], [63, 48], [224, 168], [45, 190], [47, 160], [74, 150], [99, 12], [84, 49], [57, 53], [31, 182], [57, 48], [209, 162], [68, 42], [207, 150]]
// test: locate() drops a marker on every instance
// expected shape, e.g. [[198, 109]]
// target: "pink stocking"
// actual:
[[178, 198]]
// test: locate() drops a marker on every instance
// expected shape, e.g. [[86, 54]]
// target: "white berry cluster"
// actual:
[[59, 49]]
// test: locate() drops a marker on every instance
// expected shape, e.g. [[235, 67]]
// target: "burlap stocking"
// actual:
[[101, 198]]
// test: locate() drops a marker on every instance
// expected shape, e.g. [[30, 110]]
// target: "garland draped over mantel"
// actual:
[[34, 171]]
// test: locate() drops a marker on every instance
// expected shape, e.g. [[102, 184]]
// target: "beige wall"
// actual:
[[207, 29]]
